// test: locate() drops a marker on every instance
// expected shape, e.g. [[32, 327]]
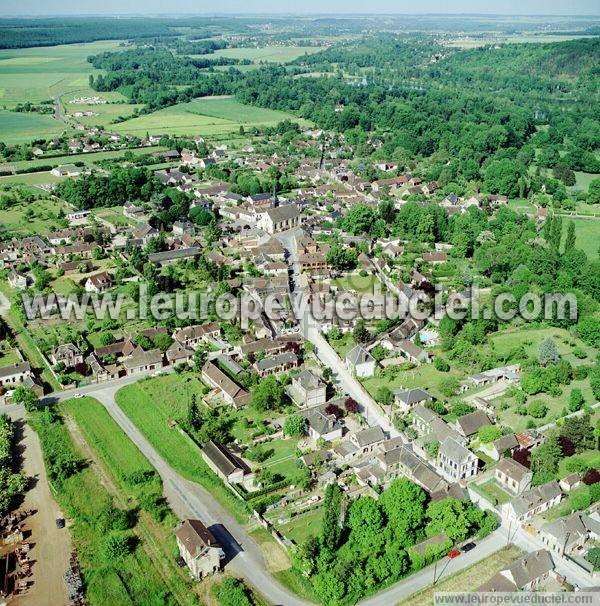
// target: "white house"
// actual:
[[360, 361]]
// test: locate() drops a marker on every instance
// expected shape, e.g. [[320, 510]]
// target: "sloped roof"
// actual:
[[412, 396], [195, 536], [359, 355], [470, 424]]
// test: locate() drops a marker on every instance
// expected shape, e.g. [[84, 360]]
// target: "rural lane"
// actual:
[[190, 500]]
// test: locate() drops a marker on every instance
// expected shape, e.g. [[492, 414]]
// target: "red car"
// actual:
[[454, 553]]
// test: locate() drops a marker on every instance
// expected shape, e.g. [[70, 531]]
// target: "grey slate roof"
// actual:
[[412, 396], [471, 423], [368, 436], [454, 451], [531, 567], [536, 496], [274, 361], [358, 355]]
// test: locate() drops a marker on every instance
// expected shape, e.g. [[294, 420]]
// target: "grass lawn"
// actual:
[[587, 235], [356, 282], [591, 457], [424, 376], [302, 526], [272, 54], [468, 579], [583, 180], [88, 159], [530, 339], [33, 179], [283, 461], [151, 404], [21, 127], [498, 495], [344, 345], [209, 116], [44, 216], [145, 576], [9, 356]]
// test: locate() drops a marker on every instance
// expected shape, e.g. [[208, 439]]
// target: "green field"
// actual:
[[147, 575], [583, 180], [41, 73], [20, 127], [207, 116], [43, 217], [271, 54], [31, 179], [587, 235], [151, 404]]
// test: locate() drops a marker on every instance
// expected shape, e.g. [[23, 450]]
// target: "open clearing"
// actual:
[[587, 235], [20, 127], [206, 116], [272, 54]]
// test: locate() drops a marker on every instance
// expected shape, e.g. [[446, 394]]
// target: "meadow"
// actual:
[[37, 74], [21, 127], [151, 404], [208, 116], [42, 216], [586, 235]]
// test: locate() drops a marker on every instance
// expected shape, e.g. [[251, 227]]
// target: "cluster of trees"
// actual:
[[373, 543], [97, 190], [12, 484], [574, 436]]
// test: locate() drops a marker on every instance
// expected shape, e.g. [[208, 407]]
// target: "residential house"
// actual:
[[308, 390], [513, 476], [179, 354], [322, 425], [131, 211], [526, 574], [360, 361], [276, 364], [17, 280], [181, 228], [532, 502], [435, 258], [13, 375], [66, 170], [98, 283], [229, 390], [368, 439], [143, 361], [192, 336], [468, 425], [169, 257], [455, 461], [407, 398], [144, 233], [570, 482], [229, 467], [412, 352], [199, 549], [505, 445], [68, 354], [569, 534]]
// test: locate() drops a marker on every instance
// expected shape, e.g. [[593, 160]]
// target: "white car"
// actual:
[[78, 395]]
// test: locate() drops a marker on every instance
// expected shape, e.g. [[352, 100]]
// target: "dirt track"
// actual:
[[51, 546]]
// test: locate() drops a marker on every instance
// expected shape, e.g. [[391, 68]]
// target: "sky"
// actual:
[[505, 7]]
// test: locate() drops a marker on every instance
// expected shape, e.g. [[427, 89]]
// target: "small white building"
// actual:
[[360, 361]]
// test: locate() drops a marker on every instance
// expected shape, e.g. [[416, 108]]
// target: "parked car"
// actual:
[[78, 395], [468, 547], [454, 553], [60, 523]]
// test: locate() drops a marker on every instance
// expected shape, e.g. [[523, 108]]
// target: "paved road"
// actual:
[[444, 568], [326, 354], [190, 500]]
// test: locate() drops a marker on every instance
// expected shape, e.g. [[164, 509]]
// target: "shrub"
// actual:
[[441, 365], [537, 409]]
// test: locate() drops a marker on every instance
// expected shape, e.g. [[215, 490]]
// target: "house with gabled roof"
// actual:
[[199, 549], [456, 462], [407, 398], [229, 390], [69, 354], [308, 389], [368, 439], [526, 574], [360, 361], [98, 283], [468, 425], [229, 467], [513, 476], [532, 502]]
